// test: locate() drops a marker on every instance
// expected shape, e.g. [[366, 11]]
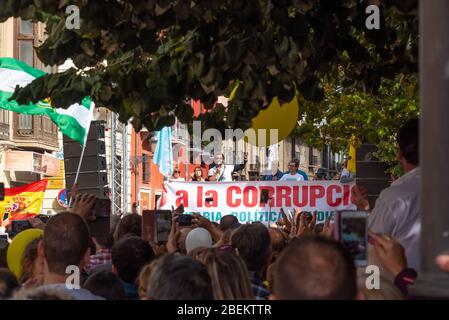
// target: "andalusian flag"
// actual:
[[23, 202], [73, 122]]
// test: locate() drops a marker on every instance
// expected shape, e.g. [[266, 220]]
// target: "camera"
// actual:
[[184, 220]]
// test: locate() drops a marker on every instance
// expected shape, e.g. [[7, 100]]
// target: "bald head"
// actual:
[[314, 268], [227, 221]]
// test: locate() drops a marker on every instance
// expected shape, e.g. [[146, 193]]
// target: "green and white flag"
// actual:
[[74, 121]]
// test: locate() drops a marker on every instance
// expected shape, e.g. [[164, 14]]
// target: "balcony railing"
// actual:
[[4, 131], [35, 129]]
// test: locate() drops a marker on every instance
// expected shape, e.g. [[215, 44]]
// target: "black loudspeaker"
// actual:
[[88, 179], [371, 173], [93, 177], [72, 149], [96, 130], [89, 164], [102, 192]]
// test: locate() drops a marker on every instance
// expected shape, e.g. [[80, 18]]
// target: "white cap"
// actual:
[[198, 237]]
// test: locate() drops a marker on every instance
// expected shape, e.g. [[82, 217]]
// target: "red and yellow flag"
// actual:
[[352, 155], [22, 202]]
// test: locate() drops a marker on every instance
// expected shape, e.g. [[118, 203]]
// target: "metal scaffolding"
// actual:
[[119, 155]]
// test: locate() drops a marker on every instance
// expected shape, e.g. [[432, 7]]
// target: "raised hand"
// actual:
[[200, 221], [286, 220], [328, 228], [442, 261], [172, 242], [360, 198], [83, 206], [306, 227], [390, 252]]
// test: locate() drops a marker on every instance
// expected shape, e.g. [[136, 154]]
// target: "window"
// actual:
[[310, 156], [145, 168], [27, 36], [26, 27], [4, 124], [25, 122], [47, 125], [4, 116], [26, 52], [157, 198], [25, 39], [293, 150]]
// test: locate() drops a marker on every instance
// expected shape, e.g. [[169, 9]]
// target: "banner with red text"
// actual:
[[247, 201]]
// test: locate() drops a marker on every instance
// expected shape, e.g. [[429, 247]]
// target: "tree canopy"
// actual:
[[347, 113], [145, 59]]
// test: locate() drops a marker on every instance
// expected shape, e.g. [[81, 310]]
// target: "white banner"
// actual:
[[245, 199]]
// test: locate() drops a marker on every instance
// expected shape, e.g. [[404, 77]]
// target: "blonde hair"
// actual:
[[226, 237], [142, 279], [228, 272]]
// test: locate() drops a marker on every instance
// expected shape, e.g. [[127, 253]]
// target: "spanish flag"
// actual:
[[22, 202]]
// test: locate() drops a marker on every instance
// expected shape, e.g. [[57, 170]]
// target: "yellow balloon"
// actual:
[[17, 247], [282, 118]]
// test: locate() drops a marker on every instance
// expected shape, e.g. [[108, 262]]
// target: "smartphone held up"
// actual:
[[351, 229], [156, 225]]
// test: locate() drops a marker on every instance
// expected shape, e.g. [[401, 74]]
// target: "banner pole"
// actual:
[[92, 107]]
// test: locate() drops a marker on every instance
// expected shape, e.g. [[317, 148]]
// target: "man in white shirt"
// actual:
[[222, 171], [397, 210], [293, 175]]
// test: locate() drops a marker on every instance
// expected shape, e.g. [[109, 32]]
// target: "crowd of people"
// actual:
[[298, 259], [219, 171], [200, 261]]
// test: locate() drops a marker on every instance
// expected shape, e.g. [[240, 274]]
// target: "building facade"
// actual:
[[134, 180], [32, 138]]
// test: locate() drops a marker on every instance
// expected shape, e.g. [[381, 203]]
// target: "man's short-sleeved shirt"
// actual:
[[292, 177], [397, 214]]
